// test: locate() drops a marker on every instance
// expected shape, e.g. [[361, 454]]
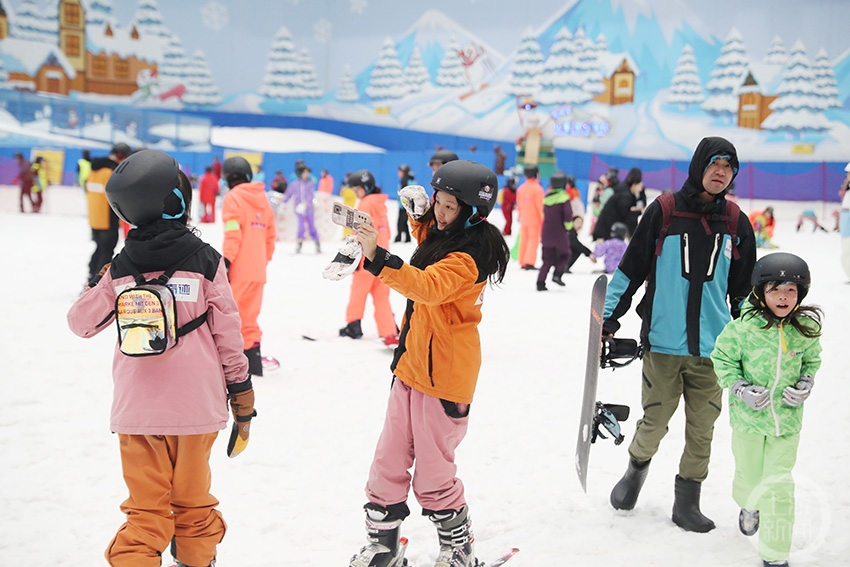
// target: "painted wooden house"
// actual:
[[618, 76]]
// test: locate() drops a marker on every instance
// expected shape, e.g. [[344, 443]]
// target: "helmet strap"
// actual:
[[182, 212], [477, 219]]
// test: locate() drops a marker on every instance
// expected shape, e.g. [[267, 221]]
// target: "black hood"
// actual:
[[158, 244], [706, 151]]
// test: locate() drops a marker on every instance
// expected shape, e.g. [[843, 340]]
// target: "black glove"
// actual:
[[241, 397]]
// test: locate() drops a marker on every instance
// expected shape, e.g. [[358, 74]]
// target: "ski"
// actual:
[[503, 559]]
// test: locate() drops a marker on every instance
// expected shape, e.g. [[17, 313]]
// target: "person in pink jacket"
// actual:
[[249, 240], [373, 203], [167, 408], [529, 204]]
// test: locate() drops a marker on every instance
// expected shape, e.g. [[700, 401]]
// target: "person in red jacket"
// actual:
[[508, 202], [249, 239], [373, 203], [435, 367], [208, 193], [529, 198]]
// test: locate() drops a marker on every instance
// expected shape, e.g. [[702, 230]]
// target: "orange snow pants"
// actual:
[[362, 284], [168, 477], [529, 242], [249, 300]]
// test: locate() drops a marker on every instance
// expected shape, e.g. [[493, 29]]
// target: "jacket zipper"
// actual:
[[687, 259], [713, 258], [431, 361], [776, 383]]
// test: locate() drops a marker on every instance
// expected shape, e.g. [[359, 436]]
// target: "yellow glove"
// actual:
[[242, 405]]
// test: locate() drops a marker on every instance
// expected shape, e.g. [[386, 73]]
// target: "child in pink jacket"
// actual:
[[167, 408]]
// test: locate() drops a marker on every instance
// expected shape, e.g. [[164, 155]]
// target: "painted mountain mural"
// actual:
[[636, 78]]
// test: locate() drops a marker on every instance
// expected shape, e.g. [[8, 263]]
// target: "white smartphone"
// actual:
[[344, 215]]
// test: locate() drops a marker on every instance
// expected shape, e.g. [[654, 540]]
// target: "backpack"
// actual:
[[146, 314], [668, 211]]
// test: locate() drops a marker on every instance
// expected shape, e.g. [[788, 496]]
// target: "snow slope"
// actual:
[[295, 496]]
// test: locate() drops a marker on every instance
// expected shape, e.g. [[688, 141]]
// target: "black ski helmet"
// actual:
[[139, 188], [531, 171], [781, 267], [442, 157], [362, 178], [571, 180], [619, 230], [558, 180], [236, 167], [470, 182]]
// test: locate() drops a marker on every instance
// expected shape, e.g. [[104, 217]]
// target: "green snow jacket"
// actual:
[[774, 358]]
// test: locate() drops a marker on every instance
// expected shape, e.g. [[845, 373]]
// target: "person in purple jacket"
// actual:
[[302, 190], [555, 236], [613, 248], [168, 408]]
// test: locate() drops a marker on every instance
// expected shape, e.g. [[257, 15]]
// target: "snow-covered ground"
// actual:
[[295, 496]]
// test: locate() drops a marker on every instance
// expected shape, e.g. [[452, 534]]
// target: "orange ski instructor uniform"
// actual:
[[363, 283], [249, 239], [529, 203]]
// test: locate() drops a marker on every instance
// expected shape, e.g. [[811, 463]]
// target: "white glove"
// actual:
[[795, 396], [415, 200], [346, 260], [757, 397]]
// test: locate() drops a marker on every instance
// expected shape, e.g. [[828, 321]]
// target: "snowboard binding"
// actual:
[[617, 353], [609, 416]]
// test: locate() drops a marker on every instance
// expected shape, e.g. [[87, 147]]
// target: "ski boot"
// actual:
[[556, 279], [255, 360], [625, 493], [351, 330], [541, 286], [686, 512], [298, 246], [454, 530], [386, 547], [318, 247]]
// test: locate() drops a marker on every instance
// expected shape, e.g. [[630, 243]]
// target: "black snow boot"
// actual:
[[625, 493], [351, 330], [255, 360], [556, 278], [541, 286], [686, 513], [385, 547]]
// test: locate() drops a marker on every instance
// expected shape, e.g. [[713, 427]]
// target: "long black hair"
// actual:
[[801, 311], [482, 241]]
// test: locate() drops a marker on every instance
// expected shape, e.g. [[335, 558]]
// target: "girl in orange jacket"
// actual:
[[373, 203], [529, 205], [436, 364]]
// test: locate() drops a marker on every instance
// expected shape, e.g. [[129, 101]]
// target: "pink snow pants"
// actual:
[[417, 428]]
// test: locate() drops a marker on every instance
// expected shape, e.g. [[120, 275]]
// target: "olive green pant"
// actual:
[[666, 379], [763, 482]]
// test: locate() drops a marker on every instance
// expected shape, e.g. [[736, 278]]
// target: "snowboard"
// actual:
[[591, 376]]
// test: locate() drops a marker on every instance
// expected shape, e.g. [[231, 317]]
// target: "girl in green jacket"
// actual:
[[768, 358]]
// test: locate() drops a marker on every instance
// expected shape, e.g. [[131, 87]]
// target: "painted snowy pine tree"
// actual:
[[527, 66], [686, 87], [386, 79], [776, 53], [149, 21], [730, 70], [173, 68], [99, 12], [309, 80], [200, 88], [825, 83], [562, 79], [416, 74], [36, 23], [588, 64], [347, 89], [798, 108], [283, 71], [450, 73]]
